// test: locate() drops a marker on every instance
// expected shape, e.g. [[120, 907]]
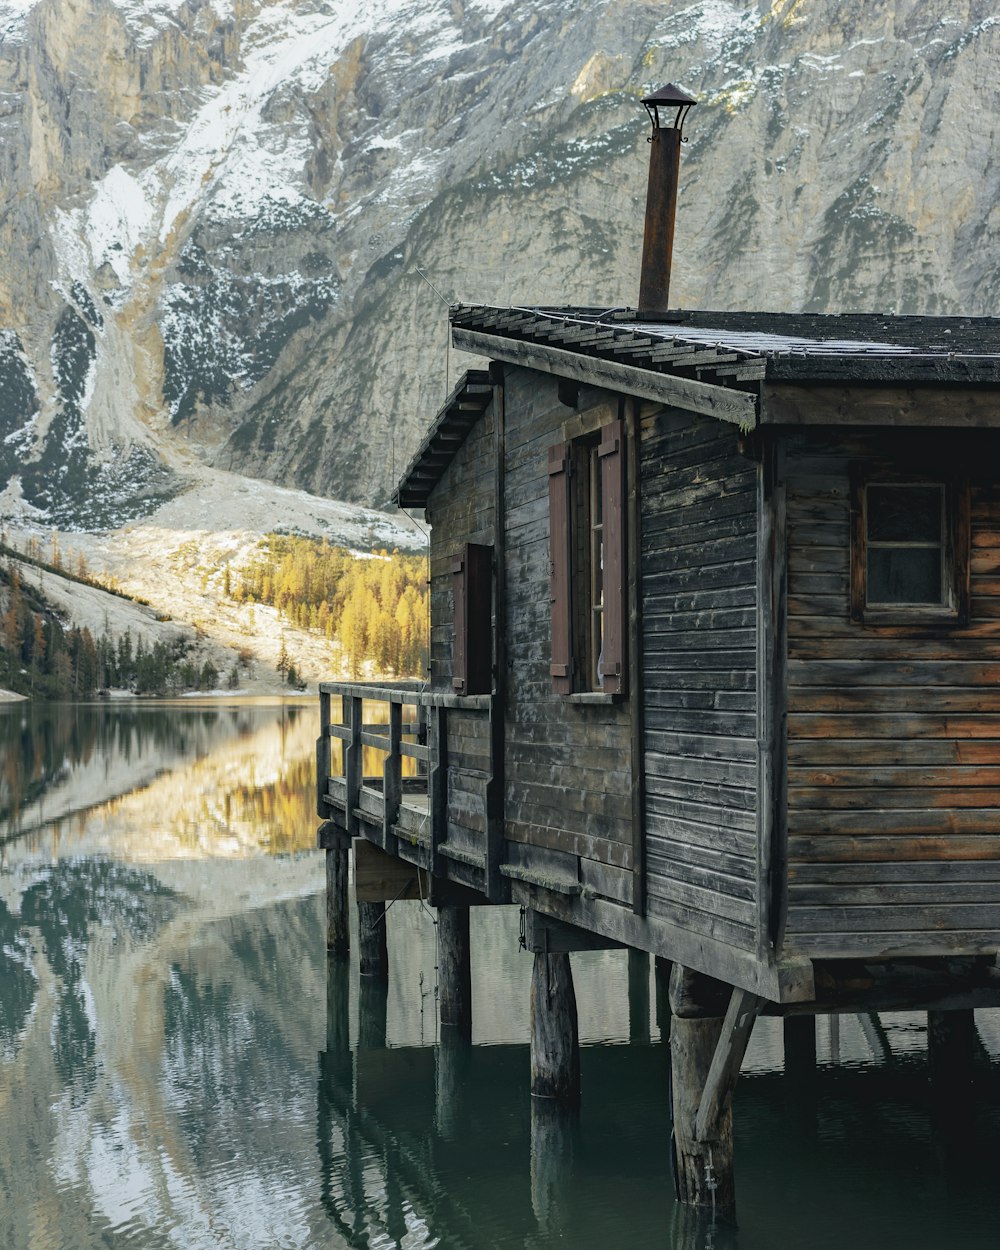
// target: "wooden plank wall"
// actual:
[[461, 511], [568, 766], [698, 585], [893, 733]]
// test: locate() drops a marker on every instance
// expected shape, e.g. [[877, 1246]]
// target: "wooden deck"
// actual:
[[415, 787]]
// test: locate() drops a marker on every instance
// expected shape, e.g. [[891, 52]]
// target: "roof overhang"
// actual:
[[733, 352], [461, 410], [702, 397], [702, 378]]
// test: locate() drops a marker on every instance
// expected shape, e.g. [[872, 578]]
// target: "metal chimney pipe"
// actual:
[[661, 197]]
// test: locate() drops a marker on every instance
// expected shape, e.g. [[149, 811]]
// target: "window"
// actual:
[[910, 551], [587, 562]]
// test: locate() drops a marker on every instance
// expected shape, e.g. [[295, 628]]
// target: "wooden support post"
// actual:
[[437, 786], [703, 1170], [373, 1013], [661, 969], [555, 1042], [338, 939], [724, 1069], [638, 995], [392, 777], [323, 755], [450, 1080], [800, 1047], [338, 983], [951, 1047], [495, 798], [373, 947], [705, 1057], [454, 968], [353, 718]]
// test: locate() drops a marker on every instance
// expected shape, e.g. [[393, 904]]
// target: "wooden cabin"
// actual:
[[715, 647], [715, 634], [715, 641]]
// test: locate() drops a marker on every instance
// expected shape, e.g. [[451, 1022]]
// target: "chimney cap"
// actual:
[[670, 96]]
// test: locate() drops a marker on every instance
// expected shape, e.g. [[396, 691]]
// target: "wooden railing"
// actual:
[[408, 802]]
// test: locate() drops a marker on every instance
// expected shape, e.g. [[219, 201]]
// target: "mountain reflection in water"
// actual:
[[180, 1065]]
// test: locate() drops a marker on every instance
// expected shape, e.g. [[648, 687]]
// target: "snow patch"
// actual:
[[116, 221]]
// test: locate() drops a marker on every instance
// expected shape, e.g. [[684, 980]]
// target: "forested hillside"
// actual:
[[371, 609], [376, 607]]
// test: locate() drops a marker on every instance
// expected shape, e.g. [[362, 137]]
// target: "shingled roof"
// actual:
[[734, 347], [708, 362]]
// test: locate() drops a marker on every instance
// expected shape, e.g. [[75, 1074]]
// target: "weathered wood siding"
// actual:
[[567, 765], [462, 511], [893, 733], [698, 588]]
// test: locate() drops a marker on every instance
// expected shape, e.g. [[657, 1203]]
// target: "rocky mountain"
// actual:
[[228, 228]]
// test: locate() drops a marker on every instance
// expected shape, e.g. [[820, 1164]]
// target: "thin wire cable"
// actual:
[[447, 343]]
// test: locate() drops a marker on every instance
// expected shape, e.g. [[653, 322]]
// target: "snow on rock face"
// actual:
[[218, 208]]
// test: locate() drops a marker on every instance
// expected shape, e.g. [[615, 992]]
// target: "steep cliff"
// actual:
[[220, 221]]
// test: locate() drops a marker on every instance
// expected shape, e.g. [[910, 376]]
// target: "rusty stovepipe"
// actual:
[[661, 197]]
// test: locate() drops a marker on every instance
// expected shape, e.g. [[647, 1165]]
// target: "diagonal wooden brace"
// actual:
[[725, 1066]]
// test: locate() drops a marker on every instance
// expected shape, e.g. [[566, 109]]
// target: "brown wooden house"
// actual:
[[716, 615], [715, 647]]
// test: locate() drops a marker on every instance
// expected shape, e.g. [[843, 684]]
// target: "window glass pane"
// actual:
[[904, 575], [904, 514], [596, 494]]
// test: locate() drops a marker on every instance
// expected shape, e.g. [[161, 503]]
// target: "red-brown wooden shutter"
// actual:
[[560, 563], [612, 456], [459, 675], [472, 655]]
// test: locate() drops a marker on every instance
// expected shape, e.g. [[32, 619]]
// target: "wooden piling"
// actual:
[[454, 968], [373, 1013], [638, 995], [705, 1055], [373, 948], [555, 1041], [703, 1169], [338, 1040], [799, 1034], [338, 940], [951, 1047], [451, 1078], [661, 970]]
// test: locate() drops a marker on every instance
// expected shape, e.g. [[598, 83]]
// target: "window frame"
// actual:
[[955, 544], [586, 468]]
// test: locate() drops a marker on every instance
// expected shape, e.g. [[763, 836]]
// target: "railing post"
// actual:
[[495, 797], [353, 719], [422, 737], [392, 775], [323, 754], [438, 785]]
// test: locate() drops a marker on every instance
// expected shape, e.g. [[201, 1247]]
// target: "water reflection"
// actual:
[[17, 982], [158, 779], [181, 1065]]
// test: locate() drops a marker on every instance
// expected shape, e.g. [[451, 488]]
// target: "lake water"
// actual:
[[181, 1067]]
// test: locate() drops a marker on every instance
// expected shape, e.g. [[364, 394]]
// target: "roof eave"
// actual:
[[461, 410]]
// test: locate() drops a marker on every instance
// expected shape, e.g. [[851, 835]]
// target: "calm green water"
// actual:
[[180, 1067]]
